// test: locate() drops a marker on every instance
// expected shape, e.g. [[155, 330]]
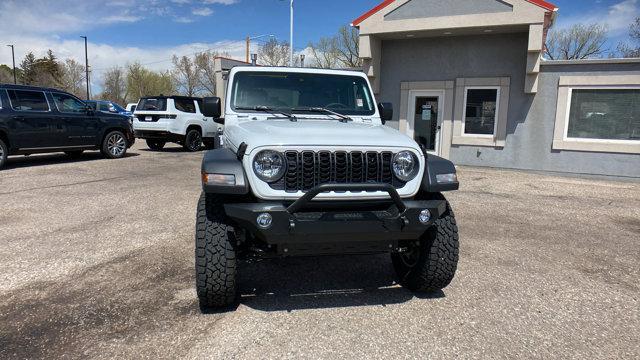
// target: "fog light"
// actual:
[[425, 216], [264, 220]]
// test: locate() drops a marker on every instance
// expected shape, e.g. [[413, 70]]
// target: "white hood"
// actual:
[[316, 132]]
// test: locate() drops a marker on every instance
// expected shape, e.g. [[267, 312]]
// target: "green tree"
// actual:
[[144, 82]]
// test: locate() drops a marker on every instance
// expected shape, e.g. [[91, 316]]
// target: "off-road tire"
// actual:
[[193, 141], [437, 258], [117, 137], [4, 152], [76, 154], [156, 145], [215, 254]]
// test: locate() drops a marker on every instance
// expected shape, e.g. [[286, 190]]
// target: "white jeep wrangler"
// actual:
[[308, 168], [176, 119]]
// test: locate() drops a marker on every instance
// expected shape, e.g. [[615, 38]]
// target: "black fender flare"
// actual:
[[436, 166], [224, 161]]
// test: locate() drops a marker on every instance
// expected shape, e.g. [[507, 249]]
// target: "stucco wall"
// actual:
[[531, 118]]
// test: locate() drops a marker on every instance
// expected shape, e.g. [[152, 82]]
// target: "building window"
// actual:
[[481, 111], [604, 114]]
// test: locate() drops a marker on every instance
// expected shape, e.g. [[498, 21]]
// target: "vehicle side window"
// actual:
[[185, 105], [22, 100], [68, 104], [104, 107]]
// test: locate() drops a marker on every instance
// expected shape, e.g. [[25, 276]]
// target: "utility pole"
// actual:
[[86, 64], [246, 58], [248, 44], [13, 57]]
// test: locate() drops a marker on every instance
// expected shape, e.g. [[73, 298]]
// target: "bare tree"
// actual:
[[72, 77], [348, 46], [186, 75], [114, 86], [577, 42], [206, 63], [632, 51], [340, 50], [274, 53], [325, 54]]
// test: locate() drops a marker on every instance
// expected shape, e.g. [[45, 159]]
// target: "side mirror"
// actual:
[[211, 107], [89, 110], [386, 111]]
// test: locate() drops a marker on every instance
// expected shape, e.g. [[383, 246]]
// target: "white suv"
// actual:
[[176, 119]]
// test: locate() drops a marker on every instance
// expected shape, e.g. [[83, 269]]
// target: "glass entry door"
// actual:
[[425, 111]]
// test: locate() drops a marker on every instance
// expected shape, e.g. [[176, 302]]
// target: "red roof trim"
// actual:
[[543, 4], [366, 15]]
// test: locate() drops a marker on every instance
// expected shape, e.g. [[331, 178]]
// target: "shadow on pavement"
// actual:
[[21, 161], [322, 282]]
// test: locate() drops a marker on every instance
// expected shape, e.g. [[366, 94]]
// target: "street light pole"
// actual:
[[13, 57], [86, 64], [291, 36]]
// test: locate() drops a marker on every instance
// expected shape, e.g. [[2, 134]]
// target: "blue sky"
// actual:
[[150, 31]]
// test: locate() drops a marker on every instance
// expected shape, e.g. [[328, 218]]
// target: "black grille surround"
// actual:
[[308, 169]]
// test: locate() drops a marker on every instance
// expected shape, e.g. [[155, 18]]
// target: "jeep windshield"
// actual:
[[300, 93], [152, 104]]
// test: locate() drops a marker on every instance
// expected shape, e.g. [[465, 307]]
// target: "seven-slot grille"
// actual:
[[307, 169]]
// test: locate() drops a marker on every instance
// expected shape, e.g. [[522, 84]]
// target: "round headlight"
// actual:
[[405, 165], [269, 165]]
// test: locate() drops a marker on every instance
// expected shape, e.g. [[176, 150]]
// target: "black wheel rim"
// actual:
[[116, 145], [195, 141]]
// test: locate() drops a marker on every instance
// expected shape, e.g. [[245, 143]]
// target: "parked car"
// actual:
[[176, 119], [44, 120], [131, 107], [308, 168], [108, 106]]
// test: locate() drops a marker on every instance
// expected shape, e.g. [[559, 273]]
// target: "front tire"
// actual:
[[431, 264], [114, 145], [4, 152], [193, 140], [215, 254], [156, 145]]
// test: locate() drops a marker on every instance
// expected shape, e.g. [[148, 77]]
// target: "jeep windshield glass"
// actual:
[[152, 104], [302, 93]]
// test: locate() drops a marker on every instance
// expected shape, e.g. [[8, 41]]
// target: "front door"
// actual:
[[425, 119]]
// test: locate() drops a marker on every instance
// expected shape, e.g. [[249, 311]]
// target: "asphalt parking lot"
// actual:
[[97, 261]]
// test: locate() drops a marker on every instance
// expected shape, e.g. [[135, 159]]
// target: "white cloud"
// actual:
[[104, 56], [617, 17], [204, 11], [223, 2]]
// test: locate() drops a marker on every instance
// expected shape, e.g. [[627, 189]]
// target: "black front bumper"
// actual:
[[307, 227]]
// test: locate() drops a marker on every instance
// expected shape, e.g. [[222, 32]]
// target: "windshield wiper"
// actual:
[[343, 117], [268, 110]]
